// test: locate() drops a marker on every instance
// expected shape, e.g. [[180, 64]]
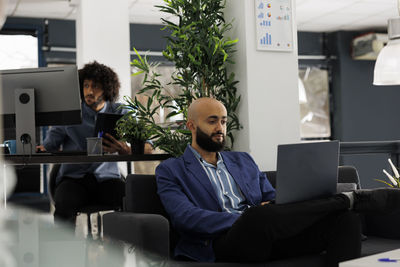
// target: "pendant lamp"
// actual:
[[387, 65]]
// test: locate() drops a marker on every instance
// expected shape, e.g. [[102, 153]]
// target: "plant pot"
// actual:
[[137, 147]]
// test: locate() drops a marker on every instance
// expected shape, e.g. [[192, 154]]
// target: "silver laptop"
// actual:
[[306, 171]]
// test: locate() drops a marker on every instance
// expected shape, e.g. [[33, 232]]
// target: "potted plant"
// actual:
[[394, 182], [135, 131], [386, 225], [201, 53]]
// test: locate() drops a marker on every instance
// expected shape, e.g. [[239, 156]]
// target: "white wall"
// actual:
[[269, 109], [102, 34]]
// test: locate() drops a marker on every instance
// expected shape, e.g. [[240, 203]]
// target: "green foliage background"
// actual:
[[201, 52]]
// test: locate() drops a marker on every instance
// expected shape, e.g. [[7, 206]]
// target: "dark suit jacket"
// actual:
[[191, 202]]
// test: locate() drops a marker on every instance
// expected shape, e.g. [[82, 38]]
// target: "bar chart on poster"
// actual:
[[274, 31]]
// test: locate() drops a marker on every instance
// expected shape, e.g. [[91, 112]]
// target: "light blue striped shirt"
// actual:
[[228, 193]]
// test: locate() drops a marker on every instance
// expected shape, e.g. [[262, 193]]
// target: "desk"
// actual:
[[42, 159], [373, 260]]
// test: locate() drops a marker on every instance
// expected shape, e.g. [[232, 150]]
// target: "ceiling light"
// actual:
[[387, 65]]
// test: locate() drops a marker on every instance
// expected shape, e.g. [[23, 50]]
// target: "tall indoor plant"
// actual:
[[201, 52]]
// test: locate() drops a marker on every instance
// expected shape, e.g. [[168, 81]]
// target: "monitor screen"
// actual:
[[56, 95]]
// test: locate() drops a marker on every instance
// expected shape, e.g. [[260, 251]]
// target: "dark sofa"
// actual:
[[144, 224]]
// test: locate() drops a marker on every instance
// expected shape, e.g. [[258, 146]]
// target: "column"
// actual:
[[268, 84], [102, 34]]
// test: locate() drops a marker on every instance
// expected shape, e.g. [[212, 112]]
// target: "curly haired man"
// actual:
[[79, 185]]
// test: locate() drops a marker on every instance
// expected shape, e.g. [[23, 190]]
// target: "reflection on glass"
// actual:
[[314, 103], [28, 238]]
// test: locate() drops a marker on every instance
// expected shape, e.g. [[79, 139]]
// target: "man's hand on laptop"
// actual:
[[112, 145], [265, 203]]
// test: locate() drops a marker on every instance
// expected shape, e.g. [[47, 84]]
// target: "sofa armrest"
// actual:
[[345, 187], [147, 232]]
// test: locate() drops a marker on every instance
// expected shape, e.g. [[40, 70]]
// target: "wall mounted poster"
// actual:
[[274, 31]]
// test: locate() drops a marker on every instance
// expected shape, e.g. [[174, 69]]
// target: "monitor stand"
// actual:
[[25, 121]]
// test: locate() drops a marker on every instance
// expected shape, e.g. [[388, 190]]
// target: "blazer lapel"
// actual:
[[198, 172], [237, 175]]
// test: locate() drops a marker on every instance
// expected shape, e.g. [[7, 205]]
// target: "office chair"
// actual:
[[88, 210]]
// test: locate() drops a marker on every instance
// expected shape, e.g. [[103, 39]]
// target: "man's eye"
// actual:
[[223, 122]]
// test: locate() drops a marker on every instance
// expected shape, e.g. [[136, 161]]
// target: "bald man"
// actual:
[[219, 203]]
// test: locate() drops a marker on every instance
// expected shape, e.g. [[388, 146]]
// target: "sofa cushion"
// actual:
[[374, 245], [141, 195], [383, 225]]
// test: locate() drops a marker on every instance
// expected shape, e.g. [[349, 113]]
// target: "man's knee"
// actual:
[[67, 203], [67, 199]]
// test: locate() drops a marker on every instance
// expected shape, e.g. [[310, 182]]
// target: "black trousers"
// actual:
[[270, 232], [73, 194]]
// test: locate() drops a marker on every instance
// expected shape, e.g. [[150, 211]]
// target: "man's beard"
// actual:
[[95, 104], [205, 142]]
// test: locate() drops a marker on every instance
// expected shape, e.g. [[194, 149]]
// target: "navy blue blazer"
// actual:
[[191, 202]]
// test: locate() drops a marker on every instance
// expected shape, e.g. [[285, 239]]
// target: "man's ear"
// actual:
[[190, 125]]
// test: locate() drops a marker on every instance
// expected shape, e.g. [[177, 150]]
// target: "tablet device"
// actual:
[[105, 123]]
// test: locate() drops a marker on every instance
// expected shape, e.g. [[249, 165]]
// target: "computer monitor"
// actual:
[[39, 97]]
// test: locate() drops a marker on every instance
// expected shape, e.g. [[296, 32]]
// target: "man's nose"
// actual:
[[90, 89], [219, 126]]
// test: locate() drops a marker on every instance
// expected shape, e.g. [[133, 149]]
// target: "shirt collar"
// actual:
[[104, 108], [198, 156]]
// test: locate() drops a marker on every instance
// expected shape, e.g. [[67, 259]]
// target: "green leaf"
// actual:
[[137, 73], [231, 42], [384, 182], [171, 114]]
